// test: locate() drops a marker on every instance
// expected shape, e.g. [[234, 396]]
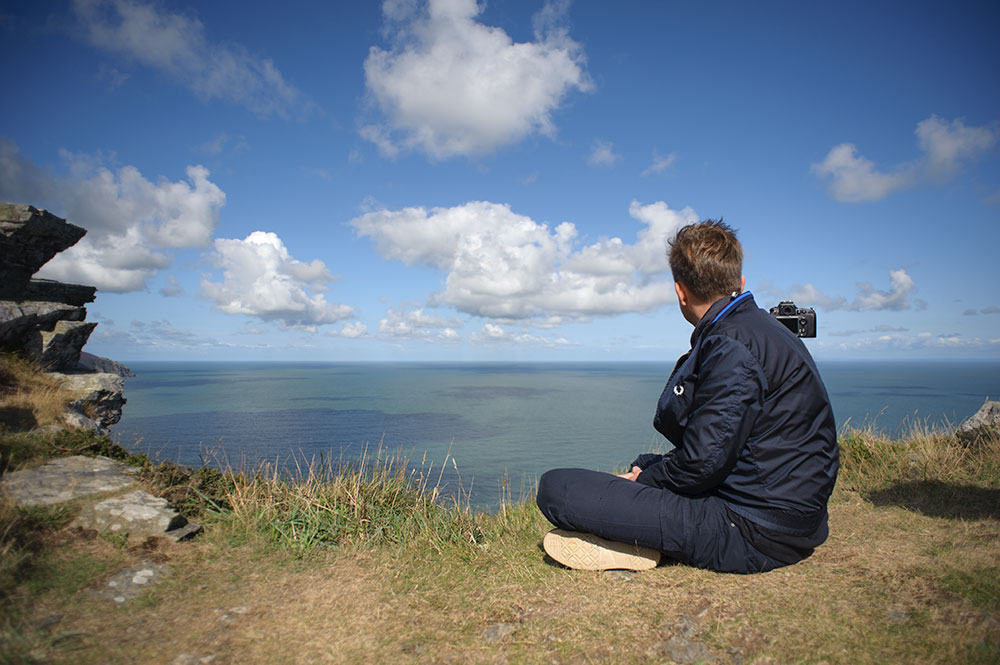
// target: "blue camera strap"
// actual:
[[728, 308]]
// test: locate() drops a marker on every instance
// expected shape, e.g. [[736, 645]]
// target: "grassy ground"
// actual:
[[361, 565]]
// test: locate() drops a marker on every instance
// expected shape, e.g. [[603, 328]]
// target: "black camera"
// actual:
[[801, 321]]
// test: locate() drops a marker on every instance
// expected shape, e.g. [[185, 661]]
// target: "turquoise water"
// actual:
[[493, 419]]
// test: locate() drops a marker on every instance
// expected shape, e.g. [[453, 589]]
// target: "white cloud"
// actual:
[[261, 279], [947, 145], [895, 298], [453, 86], [352, 330], [408, 322], [602, 153], [176, 44], [944, 146], [128, 218], [868, 298], [491, 333], [503, 265], [854, 178], [660, 164]]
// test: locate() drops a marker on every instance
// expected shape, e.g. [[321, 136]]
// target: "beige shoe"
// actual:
[[585, 551]]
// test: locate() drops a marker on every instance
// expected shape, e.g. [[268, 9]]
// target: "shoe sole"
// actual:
[[585, 551]]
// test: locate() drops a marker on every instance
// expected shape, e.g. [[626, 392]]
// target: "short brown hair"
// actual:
[[707, 258]]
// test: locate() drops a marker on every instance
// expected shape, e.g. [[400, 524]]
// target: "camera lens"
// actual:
[[787, 309]]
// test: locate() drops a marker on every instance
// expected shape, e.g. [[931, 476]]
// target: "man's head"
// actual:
[[707, 259]]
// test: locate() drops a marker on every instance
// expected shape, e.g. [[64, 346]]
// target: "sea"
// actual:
[[486, 430]]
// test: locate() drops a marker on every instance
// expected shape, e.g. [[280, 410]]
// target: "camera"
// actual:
[[800, 320]]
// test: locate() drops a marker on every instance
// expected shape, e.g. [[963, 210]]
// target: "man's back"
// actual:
[[783, 459]]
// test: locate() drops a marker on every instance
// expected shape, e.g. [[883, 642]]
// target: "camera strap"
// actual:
[[735, 301]]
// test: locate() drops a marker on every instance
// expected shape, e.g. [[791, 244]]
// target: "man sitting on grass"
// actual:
[[755, 446]]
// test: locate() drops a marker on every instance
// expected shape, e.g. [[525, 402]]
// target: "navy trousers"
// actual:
[[693, 530]]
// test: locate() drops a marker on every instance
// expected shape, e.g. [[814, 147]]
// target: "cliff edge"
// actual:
[[45, 320]]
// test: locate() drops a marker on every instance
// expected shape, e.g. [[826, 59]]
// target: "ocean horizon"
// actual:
[[490, 424]]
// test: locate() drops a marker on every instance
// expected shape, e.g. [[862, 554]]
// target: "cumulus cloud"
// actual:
[[261, 279], [452, 86], [854, 179], [491, 333], [660, 164], [409, 323], [352, 330], [897, 297], [176, 44], [944, 146], [602, 153], [128, 218], [503, 265]]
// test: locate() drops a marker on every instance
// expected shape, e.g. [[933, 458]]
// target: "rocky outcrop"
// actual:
[[29, 238], [982, 426], [98, 364], [98, 399], [45, 320]]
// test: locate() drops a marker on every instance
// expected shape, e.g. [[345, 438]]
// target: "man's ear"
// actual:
[[743, 283], [682, 294]]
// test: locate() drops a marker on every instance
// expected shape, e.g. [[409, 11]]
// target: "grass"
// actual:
[[28, 396], [365, 562]]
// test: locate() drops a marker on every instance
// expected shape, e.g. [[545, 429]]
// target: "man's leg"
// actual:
[[693, 530], [602, 504]]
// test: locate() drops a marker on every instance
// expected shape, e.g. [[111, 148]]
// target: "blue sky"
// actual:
[[453, 181]]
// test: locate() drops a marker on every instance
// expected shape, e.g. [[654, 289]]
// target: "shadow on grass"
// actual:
[[940, 499]]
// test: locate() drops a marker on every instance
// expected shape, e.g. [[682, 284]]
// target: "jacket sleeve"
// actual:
[[645, 460], [727, 399]]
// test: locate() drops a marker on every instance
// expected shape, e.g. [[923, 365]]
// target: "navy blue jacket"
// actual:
[[750, 420]]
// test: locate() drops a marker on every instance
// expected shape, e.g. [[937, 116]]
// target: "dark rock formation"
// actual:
[[94, 363], [46, 320], [29, 238]]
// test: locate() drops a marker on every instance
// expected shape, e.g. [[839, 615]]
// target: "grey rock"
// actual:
[[18, 320], [981, 426], [192, 659], [29, 238], [625, 576], [684, 651], [138, 514], [498, 631], [49, 290], [65, 479], [59, 349], [97, 396], [685, 626], [130, 582], [92, 363]]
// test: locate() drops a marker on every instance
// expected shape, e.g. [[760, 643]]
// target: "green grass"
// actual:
[[909, 573]]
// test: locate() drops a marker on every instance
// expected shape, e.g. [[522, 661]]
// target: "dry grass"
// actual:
[[29, 397], [910, 574]]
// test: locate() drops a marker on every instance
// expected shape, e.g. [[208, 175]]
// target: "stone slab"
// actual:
[[130, 582], [137, 514], [64, 479]]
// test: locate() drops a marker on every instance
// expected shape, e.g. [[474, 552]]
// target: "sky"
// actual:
[[453, 181]]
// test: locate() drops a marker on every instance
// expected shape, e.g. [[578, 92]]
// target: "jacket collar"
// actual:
[[719, 309]]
